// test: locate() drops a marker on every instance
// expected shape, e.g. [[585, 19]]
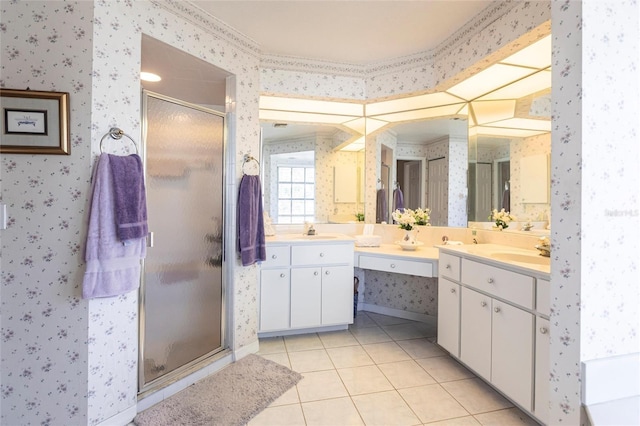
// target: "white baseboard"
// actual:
[[610, 378], [123, 418], [303, 330], [399, 313], [251, 348]]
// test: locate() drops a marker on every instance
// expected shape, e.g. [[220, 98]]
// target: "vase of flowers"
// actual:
[[501, 219], [408, 219]]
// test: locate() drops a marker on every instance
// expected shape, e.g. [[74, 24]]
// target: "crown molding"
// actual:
[[210, 24], [292, 63]]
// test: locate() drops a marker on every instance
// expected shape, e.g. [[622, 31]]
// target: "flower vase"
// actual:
[[410, 236]]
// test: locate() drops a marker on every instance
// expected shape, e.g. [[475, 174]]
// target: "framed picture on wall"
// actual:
[[33, 122]]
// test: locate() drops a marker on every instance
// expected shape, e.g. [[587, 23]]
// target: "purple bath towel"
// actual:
[[129, 196], [398, 200], [251, 244], [112, 266]]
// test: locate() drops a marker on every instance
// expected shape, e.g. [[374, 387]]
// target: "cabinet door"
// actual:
[[449, 316], [512, 352], [274, 299], [337, 295], [306, 285], [475, 331], [541, 403]]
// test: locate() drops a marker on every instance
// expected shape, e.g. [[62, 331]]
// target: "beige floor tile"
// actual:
[[270, 345], [370, 335], [386, 319], [444, 369], [331, 412], [289, 397], [280, 358], [421, 348], [315, 360], [386, 352], [337, 339], [432, 403], [349, 356], [508, 417], [321, 385], [476, 396], [414, 330], [361, 380], [284, 415], [362, 320], [406, 374], [302, 342], [385, 409], [460, 421]]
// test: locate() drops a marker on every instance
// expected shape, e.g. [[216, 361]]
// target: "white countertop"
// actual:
[[427, 253], [319, 238], [517, 259]]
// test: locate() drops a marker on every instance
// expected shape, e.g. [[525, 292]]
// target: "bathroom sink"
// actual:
[[317, 237], [521, 258]]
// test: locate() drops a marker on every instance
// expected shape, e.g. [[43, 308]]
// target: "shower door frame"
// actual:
[[161, 382]]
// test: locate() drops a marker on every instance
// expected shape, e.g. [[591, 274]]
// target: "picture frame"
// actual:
[[34, 122]]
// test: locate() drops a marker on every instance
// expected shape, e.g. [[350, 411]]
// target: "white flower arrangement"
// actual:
[[501, 218], [408, 218]]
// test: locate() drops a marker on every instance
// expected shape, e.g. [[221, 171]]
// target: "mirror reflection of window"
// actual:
[[295, 187]]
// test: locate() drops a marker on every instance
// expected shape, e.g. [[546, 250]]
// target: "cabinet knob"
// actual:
[[483, 303], [327, 272], [273, 256], [490, 280], [393, 265], [496, 309], [543, 330], [447, 267], [315, 273], [282, 275], [321, 254], [453, 290]]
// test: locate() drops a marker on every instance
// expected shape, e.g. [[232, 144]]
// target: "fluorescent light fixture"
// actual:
[[149, 76], [410, 103], [490, 79], [359, 125], [300, 117], [419, 114], [489, 111], [373, 125], [521, 88], [536, 55], [504, 132], [356, 145], [524, 124], [311, 105]]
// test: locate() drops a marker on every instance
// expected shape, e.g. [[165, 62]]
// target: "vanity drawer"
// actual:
[[277, 256], [543, 297], [398, 266], [322, 254], [449, 266], [508, 285]]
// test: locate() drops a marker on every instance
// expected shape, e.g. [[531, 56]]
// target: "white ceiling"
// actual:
[[350, 32]]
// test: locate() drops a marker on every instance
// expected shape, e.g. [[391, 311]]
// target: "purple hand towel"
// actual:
[[381, 206], [129, 196], [251, 243], [112, 266], [398, 199]]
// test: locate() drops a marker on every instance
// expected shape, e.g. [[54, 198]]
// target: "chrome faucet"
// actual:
[[544, 247]]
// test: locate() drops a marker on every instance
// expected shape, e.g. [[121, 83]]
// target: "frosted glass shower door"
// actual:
[[181, 303]]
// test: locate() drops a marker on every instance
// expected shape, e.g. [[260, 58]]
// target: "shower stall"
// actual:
[[182, 290]]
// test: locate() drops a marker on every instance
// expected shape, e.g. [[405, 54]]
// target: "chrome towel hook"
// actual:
[[117, 134]]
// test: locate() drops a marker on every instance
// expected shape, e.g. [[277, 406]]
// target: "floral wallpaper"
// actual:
[[403, 292], [458, 163], [279, 82]]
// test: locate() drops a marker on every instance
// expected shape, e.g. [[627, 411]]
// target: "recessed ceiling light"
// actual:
[[149, 76]]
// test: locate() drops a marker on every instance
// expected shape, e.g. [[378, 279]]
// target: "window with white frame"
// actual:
[[296, 193]]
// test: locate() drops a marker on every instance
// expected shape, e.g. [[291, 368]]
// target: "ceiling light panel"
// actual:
[[504, 132], [524, 123], [488, 80], [521, 88], [490, 111], [300, 117], [442, 111], [536, 55], [357, 145], [311, 105], [411, 103]]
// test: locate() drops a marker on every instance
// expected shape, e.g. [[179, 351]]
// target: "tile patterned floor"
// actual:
[[382, 371]]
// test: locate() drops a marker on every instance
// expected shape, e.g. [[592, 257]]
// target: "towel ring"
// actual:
[[117, 134], [247, 159]]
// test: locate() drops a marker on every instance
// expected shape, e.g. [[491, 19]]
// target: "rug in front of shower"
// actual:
[[232, 396]]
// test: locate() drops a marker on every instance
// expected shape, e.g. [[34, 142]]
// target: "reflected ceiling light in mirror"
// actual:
[[300, 117], [356, 145], [524, 123], [506, 132], [488, 80], [149, 76], [537, 82], [311, 105], [411, 103], [536, 55], [489, 111], [442, 111]]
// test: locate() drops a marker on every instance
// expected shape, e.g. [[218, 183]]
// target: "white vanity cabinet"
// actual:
[[502, 336], [306, 286]]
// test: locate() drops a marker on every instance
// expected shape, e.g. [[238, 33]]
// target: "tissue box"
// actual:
[[368, 240]]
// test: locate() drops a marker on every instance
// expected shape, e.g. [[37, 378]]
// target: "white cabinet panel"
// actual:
[[398, 266], [274, 299], [449, 316], [321, 254], [337, 295], [449, 266], [541, 403], [306, 288], [512, 352], [277, 256], [543, 297], [512, 286], [475, 331]]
